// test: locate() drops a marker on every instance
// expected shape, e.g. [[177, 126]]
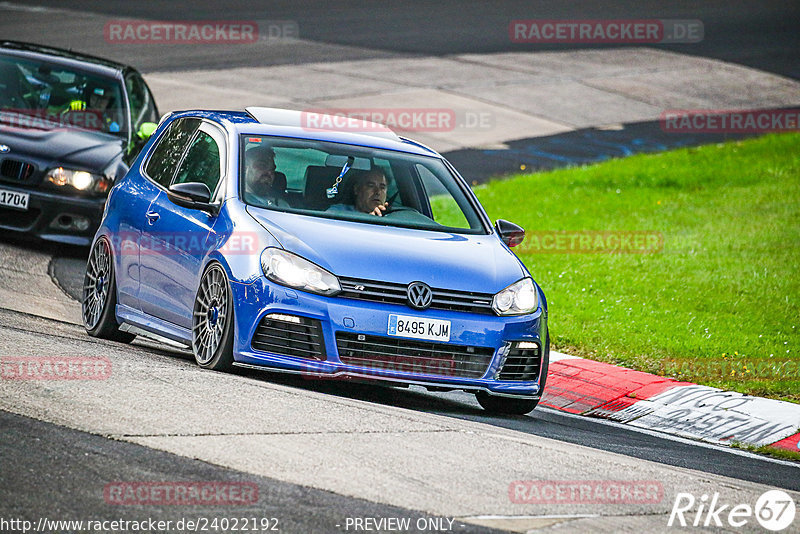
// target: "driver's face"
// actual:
[[370, 192], [261, 171]]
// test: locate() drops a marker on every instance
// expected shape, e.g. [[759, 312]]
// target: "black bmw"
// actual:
[[70, 125]]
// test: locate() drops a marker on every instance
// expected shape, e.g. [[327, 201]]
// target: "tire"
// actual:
[[505, 405], [212, 321], [99, 303]]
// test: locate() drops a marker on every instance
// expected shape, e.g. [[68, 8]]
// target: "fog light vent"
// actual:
[[522, 363]]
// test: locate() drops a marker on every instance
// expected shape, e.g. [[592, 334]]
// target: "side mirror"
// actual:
[[146, 130], [510, 233], [138, 140], [193, 195]]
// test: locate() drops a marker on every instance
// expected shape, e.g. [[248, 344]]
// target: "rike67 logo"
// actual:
[[774, 510]]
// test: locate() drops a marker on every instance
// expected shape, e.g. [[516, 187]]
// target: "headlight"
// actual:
[[518, 298], [80, 180], [291, 270]]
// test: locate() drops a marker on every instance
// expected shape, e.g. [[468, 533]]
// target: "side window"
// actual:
[[167, 153], [202, 162], [444, 207], [143, 108]]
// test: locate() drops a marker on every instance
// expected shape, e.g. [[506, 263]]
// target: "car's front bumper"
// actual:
[[350, 316], [54, 217]]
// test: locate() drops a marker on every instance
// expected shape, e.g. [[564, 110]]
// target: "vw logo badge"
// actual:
[[4, 149], [420, 295]]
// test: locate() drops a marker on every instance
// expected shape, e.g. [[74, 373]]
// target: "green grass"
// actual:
[[775, 452], [724, 288]]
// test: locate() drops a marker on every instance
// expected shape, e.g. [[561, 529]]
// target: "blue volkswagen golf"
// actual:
[[348, 252]]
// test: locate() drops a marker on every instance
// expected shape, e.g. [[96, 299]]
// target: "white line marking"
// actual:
[[34, 9], [565, 516]]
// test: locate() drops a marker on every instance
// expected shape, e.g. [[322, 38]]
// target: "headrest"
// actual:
[[318, 179]]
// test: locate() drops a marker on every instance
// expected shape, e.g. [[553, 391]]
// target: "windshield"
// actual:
[[44, 96], [355, 183]]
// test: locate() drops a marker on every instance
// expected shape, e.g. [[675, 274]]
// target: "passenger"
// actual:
[[369, 192], [259, 177]]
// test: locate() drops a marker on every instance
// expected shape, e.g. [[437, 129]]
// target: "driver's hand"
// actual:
[[379, 209]]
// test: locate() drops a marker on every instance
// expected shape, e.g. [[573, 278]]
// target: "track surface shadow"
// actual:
[[547, 423]]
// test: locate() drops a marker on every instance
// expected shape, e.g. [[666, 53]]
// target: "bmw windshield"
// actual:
[[41, 95], [355, 183]]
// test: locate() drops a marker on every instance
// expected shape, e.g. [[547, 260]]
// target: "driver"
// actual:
[[369, 190], [99, 103]]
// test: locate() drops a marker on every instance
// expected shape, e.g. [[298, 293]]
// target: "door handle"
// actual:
[[152, 217]]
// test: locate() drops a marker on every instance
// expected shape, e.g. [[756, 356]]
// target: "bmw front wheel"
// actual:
[[212, 321]]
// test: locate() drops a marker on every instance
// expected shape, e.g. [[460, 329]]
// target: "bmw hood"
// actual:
[[392, 254], [63, 147]]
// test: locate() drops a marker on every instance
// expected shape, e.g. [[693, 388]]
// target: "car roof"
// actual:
[[295, 124], [86, 62]]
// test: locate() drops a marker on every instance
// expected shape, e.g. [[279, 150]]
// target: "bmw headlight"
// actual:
[[80, 180], [519, 298], [291, 270]]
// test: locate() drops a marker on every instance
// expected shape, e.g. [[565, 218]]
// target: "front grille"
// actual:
[[393, 293], [416, 357], [16, 170], [521, 364], [279, 335]]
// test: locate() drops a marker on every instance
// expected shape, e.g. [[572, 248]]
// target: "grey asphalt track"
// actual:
[[760, 34], [52, 470], [66, 471], [544, 423]]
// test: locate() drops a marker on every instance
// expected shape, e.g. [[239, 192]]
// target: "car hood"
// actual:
[[63, 147], [391, 254]]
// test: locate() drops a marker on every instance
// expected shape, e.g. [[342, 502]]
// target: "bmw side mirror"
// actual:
[[510, 233], [146, 130], [193, 195], [139, 139]]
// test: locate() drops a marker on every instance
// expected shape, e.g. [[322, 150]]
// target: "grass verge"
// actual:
[[715, 302], [766, 450]]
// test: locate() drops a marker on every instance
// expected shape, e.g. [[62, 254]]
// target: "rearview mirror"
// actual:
[[510, 233], [338, 160]]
